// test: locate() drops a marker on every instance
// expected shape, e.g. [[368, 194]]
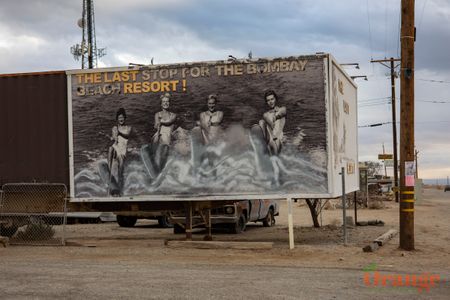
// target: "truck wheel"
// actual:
[[164, 222], [269, 220], [240, 225], [8, 231], [177, 229], [126, 221]]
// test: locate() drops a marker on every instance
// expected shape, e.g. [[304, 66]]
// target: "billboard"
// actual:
[[208, 130]]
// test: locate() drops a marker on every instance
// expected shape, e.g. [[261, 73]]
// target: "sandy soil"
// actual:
[[321, 247], [101, 254]]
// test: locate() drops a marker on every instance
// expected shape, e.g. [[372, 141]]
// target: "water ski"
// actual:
[[197, 147], [262, 155], [110, 180], [161, 155], [147, 154]]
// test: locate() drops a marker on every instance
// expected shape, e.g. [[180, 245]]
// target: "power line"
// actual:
[[434, 101], [421, 14], [371, 99], [385, 27], [433, 80], [399, 26], [374, 103], [370, 30], [384, 123], [426, 122], [374, 125]]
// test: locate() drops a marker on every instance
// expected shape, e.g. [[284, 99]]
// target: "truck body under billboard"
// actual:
[[224, 130]]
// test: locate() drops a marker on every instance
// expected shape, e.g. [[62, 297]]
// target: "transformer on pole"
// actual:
[[87, 50]]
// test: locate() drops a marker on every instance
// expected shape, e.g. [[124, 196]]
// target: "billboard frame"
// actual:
[[328, 63]]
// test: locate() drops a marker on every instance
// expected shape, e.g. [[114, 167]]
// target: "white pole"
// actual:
[[344, 217], [290, 224]]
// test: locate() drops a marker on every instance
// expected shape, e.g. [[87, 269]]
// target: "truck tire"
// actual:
[[163, 222], [126, 221], [240, 224], [177, 229], [8, 231], [269, 220]]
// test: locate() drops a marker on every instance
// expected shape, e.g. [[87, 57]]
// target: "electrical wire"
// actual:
[[375, 104], [385, 27], [434, 101], [421, 14], [424, 122], [388, 101], [398, 122], [374, 125], [433, 80], [399, 29], [372, 99], [370, 30]]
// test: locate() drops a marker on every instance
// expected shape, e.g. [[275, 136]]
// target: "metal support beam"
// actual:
[[90, 37]]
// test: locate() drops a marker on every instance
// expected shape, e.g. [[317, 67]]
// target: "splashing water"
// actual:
[[216, 169]]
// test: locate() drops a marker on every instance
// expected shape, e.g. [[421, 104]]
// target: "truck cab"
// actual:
[[235, 215]]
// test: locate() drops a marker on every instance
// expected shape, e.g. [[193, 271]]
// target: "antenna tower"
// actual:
[[87, 50]]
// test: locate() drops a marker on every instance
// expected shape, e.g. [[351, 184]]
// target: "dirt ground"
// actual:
[[315, 248]]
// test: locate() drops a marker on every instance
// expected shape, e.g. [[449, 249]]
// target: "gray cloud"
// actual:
[[37, 35]]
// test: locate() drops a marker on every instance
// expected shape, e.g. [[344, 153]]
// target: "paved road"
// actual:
[[102, 279]]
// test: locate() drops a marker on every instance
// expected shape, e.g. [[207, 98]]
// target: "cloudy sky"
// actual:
[[37, 35]]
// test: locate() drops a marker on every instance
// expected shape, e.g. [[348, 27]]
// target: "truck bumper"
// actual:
[[214, 219]]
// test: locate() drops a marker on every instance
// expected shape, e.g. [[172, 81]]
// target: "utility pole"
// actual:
[[407, 39], [392, 66]]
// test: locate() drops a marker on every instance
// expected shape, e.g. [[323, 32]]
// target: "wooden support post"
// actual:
[[188, 208], [290, 224], [208, 236], [394, 118]]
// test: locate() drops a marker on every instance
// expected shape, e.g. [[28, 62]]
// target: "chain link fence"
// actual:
[[33, 213]]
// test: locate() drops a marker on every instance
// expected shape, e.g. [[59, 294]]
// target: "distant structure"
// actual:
[[87, 50]]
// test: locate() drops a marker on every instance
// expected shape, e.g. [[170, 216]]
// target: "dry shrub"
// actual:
[[335, 222], [36, 232], [329, 205], [376, 204]]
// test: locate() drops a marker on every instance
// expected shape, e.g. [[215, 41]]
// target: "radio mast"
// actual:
[[87, 50]]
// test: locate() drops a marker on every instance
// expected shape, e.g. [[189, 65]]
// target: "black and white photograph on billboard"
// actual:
[[250, 127]]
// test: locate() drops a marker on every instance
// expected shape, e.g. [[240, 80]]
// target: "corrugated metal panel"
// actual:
[[34, 135]]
